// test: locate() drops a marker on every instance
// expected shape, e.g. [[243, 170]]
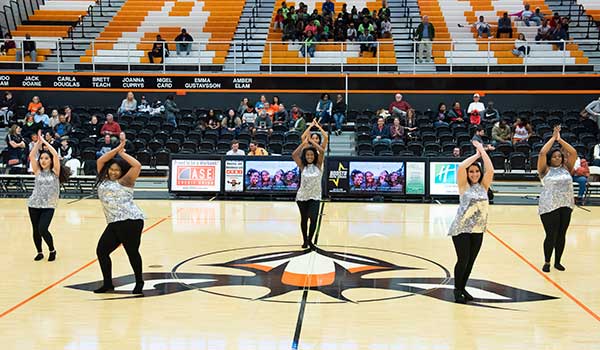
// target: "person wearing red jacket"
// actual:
[[111, 128], [399, 107]]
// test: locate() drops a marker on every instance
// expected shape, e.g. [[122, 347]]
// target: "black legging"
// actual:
[[308, 210], [556, 224], [467, 247], [40, 222], [128, 233]]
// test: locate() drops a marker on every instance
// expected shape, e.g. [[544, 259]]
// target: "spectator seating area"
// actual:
[[139, 22], [447, 15], [592, 8], [288, 53], [430, 141]]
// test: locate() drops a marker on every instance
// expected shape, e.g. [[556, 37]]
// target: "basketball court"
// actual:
[[232, 275]]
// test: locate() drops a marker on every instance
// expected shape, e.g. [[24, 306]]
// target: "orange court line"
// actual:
[[547, 277], [88, 264]]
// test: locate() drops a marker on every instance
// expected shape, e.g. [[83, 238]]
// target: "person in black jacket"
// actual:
[[28, 49], [183, 42], [157, 49], [7, 108], [339, 113]]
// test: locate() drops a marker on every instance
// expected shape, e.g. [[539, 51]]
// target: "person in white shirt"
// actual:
[[592, 110], [483, 27], [235, 149], [596, 160], [476, 105]]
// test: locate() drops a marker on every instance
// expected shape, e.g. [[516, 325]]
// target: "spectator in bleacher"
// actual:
[[263, 123], [368, 43], [596, 155], [581, 172], [299, 124], [538, 14], [34, 105], [249, 116], [366, 27], [504, 25], [295, 113], [275, 102], [526, 15], [93, 127], [105, 147], [30, 127], [482, 28], [267, 109], [521, 48], [110, 128], [476, 106], [128, 105], [441, 118], [15, 146], [64, 127], [159, 49], [521, 130], [27, 49], [560, 34], [49, 137], [544, 32], [384, 11], [42, 118], [278, 20], [501, 133], [354, 16], [592, 109], [254, 150], [479, 137], [285, 9], [456, 152], [326, 29], [8, 44], [399, 107], [425, 34], [183, 42], [54, 119], [212, 121], [491, 115], [351, 33], [65, 151], [381, 133], [339, 34], [386, 28], [281, 117], [456, 115], [339, 113], [243, 106], [289, 31], [235, 149], [72, 118], [260, 104], [398, 131], [171, 110], [324, 109], [231, 123], [7, 108], [328, 7], [589, 124], [554, 20]]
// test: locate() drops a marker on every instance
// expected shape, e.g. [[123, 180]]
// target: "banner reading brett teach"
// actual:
[[191, 175]]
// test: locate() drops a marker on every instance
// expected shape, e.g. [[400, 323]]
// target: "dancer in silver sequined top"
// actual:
[[116, 179], [49, 174], [309, 157], [471, 218], [555, 168]]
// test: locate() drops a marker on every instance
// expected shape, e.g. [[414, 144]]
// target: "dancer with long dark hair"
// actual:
[[49, 174], [556, 199], [471, 219], [116, 179], [309, 157]]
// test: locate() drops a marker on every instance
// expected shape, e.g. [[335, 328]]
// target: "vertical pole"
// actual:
[[488, 57], [414, 62], [377, 47], [270, 57], [451, 56], [128, 58], [234, 57], [94, 56]]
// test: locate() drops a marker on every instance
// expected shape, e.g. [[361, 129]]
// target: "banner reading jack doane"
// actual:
[[337, 176]]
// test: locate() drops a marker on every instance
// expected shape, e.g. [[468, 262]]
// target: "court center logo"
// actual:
[[337, 274]]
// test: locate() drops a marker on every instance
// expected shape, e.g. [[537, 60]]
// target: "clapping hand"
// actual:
[[556, 133]]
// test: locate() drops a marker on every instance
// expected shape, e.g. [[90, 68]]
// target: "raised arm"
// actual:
[[131, 176], [542, 166], [461, 177], [32, 155], [306, 133], [296, 155], [108, 156], [324, 135], [571, 153], [55, 157], [488, 167]]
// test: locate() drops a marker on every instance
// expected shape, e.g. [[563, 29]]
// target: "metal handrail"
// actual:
[[12, 15], [18, 9]]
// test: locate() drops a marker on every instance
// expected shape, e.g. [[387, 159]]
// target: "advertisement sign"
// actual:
[[194, 175], [271, 175], [442, 178], [377, 177], [415, 178], [234, 175], [337, 176]]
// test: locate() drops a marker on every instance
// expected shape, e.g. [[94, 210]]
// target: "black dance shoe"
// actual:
[[559, 267], [459, 298], [546, 267], [467, 296], [139, 288], [38, 257], [104, 289]]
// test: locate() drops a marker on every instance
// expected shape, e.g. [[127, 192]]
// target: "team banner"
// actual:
[[195, 175], [234, 175], [337, 176]]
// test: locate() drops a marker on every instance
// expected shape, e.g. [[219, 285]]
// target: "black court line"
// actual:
[[300, 320]]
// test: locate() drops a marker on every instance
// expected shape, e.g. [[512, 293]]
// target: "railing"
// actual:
[[127, 56]]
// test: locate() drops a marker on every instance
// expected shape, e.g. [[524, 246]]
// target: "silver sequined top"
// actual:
[[472, 212], [45, 190], [310, 183], [117, 202], [557, 191]]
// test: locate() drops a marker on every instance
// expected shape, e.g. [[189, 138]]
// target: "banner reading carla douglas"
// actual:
[[195, 175]]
